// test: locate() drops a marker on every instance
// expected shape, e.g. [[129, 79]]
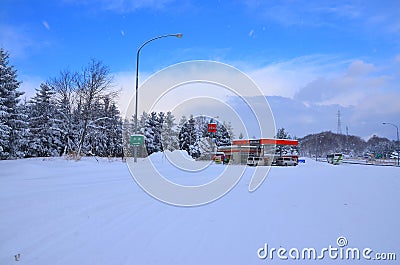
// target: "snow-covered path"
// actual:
[[65, 212]]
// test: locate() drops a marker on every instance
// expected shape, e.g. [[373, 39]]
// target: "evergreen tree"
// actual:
[[142, 122], [45, 138], [169, 135], [105, 131], [158, 132], [24, 146], [188, 139], [182, 122], [114, 131], [12, 124], [282, 134], [282, 149], [223, 137], [150, 133], [194, 149]]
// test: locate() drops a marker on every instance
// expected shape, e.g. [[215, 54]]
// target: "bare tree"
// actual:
[[65, 89], [78, 96], [93, 84]]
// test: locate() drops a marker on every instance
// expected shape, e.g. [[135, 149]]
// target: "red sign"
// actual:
[[212, 127]]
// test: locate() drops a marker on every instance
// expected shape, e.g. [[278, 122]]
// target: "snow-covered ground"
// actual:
[[58, 211]]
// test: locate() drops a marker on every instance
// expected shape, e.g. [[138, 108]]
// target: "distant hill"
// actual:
[[328, 142]]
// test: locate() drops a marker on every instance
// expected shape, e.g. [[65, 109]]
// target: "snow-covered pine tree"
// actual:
[[188, 139], [169, 135], [150, 132], [45, 138], [181, 123], [114, 131], [23, 149], [281, 149], [222, 135], [96, 139], [158, 131], [142, 122], [184, 135], [194, 149], [12, 124], [104, 133]]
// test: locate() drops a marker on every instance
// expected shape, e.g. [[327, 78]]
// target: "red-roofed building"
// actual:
[[241, 149]]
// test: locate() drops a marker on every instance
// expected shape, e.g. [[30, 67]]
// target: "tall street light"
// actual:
[[398, 143], [178, 35]]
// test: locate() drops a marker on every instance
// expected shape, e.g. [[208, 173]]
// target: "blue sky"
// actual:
[[312, 57]]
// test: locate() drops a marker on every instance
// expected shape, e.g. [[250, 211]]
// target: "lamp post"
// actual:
[[178, 35], [398, 143]]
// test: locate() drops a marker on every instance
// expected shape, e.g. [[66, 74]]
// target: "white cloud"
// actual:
[[192, 88], [360, 68], [309, 90], [305, 94], [351, 87], [251, 33], [46, 24], [286, 78]]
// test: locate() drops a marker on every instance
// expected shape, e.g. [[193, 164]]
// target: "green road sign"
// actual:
[[137, 139]]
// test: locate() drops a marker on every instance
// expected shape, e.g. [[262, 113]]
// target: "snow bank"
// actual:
[[179, 159], [174, 155]]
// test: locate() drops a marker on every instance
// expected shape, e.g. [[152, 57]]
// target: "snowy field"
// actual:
[[57, 211]]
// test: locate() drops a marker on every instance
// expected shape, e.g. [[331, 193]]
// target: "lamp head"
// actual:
[[179, 35]]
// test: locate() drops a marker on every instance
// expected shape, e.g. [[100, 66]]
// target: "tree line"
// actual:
[[75, 114], [191, 134], [328, 142]]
